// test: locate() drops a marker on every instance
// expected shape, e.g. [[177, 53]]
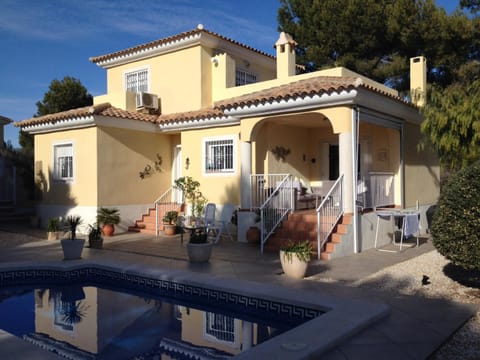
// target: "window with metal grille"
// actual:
[[137, 81], [221, 327], [219, 156], [243, 77], [63, 161]]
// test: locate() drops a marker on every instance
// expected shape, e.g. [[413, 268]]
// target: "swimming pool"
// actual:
[[339, 318], [67, 312]]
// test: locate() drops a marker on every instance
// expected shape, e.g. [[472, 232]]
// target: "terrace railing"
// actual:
[[329, 213]]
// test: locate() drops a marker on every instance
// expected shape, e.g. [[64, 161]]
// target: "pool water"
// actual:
[[91, 322]]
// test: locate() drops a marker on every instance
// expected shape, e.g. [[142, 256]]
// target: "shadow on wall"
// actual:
[[54, 193]]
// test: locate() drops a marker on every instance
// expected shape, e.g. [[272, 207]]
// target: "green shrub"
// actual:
[[456, 223]]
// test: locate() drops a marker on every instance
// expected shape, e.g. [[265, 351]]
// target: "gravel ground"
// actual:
[[464, 344]]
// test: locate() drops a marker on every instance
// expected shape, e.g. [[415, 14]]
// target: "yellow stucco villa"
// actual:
[[249, 128]]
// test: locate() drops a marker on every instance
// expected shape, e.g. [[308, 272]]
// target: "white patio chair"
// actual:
[[221, 225], [209, 218]]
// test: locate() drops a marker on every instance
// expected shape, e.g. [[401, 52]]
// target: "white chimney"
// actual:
[[418, 80], [285, 46]]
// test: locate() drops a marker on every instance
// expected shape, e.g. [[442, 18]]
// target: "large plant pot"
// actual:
[[72, 249], [53, 235], [169, 229], [108, 230], [293, 266], [199, 252]]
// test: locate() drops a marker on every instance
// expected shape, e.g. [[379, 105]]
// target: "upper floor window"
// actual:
[[137, 81], [243, 77], [63, 161], [219, 155]]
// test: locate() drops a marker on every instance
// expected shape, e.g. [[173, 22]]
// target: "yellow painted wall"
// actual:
[[83, 189], [218, 188], [124, 154], [422, 170], [177, 78]]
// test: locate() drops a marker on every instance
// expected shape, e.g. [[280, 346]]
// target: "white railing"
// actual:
[[168, 201], [277, 193], [262, 186], [329, 213]]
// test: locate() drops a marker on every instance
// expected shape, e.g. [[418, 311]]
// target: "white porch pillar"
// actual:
[[346, 168], [245, 172], [247, 335]]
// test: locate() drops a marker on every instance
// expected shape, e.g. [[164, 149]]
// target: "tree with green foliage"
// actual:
[[377, 38], [62, 95], [452, 119], [456, 224]]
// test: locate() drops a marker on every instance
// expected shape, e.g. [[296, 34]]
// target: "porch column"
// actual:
[[346, 168], [245, 172]]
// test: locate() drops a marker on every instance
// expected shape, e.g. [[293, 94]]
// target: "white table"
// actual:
[[410, 224]]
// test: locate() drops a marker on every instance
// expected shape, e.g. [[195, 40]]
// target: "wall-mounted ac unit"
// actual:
[[146, 100]]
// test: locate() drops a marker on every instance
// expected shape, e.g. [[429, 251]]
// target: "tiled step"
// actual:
[[302, 226], [147, 224]]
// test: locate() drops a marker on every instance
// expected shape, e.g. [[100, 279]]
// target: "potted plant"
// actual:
[[73, 247], [108, 217], [170, 222], [95, 239], [294, 257], [53, 228], [199, 248], [191, 193]]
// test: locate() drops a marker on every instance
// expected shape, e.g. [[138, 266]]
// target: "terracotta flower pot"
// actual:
[[253, 235], [108, 229], [169, 229]]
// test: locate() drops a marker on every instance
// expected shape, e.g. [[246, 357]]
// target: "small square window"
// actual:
[[63, 161], [219, 155]]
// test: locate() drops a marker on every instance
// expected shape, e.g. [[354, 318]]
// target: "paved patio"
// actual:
[[415, 328]]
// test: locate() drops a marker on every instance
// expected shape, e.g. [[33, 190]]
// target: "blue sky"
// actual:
[[42, 40]]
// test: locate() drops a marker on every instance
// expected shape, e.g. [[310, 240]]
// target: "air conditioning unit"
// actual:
[[146, 100]]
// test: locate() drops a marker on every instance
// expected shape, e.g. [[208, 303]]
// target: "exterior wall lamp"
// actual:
[[187, 163]]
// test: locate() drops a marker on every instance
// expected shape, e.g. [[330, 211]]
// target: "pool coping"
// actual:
[[345, 318]]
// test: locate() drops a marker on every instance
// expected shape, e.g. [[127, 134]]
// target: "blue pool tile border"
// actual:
[[229, 301]]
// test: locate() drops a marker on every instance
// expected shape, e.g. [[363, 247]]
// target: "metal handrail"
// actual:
[[329, 213], [276, 207], [166, 202]]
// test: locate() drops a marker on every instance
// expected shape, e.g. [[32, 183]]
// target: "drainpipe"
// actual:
[[355, 129]]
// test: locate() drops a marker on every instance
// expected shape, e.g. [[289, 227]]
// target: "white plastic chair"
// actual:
[[209, 218], [221, 225]]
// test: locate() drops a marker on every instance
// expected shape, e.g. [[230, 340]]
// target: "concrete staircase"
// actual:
[[147, 223], [302, 225]]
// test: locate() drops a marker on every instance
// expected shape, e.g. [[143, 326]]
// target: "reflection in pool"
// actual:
[[97, 323]]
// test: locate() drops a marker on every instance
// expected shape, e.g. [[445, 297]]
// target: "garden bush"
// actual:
[[456, 223]]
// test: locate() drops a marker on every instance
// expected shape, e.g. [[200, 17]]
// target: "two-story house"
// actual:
[[244, 124]]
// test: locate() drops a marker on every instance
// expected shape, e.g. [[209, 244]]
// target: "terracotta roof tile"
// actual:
[[170, 39], [101, 109], [307, 87], [190, 115]]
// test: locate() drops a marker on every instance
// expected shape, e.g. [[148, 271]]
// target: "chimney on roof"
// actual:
[[285, 47], [418, 80]]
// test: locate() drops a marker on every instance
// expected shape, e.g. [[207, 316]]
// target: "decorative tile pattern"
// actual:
[[201, 297]]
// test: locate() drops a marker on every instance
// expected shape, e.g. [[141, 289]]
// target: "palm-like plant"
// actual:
[[73, 221]]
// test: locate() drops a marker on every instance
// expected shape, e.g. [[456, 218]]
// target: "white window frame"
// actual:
[[220, 328], [56, 176], [219, 139], [246, 75], [137, 71]]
